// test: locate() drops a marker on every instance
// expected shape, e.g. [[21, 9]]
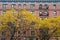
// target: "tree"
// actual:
[[8, 22], [47, 28], [14, 21]]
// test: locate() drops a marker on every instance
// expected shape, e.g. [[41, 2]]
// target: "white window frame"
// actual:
[[55, 14], [5, 6], [24, 5], [19, 5]]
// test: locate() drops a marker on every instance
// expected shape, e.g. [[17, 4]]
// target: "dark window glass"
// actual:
[[19, 38], [3, 36], [13, 5], [19, 32], [24, 32], [4, 11], [40, 6], [55, 13], [4, 6], [25, 6], [32, 32], [54, 7], [3, 39], [32, 6], [46, 13], [24, 38], [19, 6], [40, 13], [31, 38], [36, 38], [46, 7]]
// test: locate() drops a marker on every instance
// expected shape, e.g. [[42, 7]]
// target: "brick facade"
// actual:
[[36, 8]]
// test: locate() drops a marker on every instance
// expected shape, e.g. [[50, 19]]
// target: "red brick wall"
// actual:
[[51, 7], [51, 14]]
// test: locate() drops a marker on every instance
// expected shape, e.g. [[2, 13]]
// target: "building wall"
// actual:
[[36, 11], [36, 8]]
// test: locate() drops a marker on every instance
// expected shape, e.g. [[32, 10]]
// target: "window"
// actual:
[[19, 38], [36, 38], [54, 6], [3, 36], [4, 6], [40, 13], [46, 7], [24, 6], [18, 32], [55, 14], [32, 32], [40, 6], [33, 12], [31, 38], [24, 33], [19, 6], [32, 6], [46, 13], [4, 11], [24, 38], [13, 5]]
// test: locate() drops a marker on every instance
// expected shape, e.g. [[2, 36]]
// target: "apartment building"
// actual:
[[42, 8]]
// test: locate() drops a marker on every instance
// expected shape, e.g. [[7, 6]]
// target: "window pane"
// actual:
[[32, 32], [40, 13], [31, 38], [32, 5], [36, 38], [40, 6], [32, 8], [24, 38], [24, 32], [13, 5], [19, 38], [3, 12], [3, 39], [55, 14], [19, 6], [4, 6], [46, 7], [46, 13], [19, 32], [24, 6], [54, 6]]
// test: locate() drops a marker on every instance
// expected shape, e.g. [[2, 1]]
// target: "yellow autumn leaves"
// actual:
[[26, 17]]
